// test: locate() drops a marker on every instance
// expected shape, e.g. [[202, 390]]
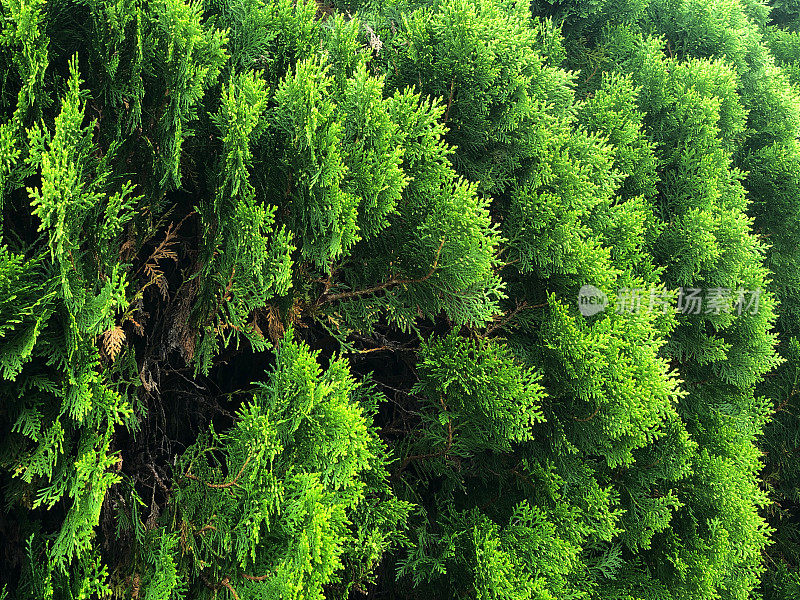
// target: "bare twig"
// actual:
[[234, 482], [449, 101], [442, 452], [230, 588], [256, 578], [505, 319], [327, 298], [590, 417]]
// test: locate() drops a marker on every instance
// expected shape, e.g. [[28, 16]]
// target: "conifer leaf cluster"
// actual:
[[293, 299]]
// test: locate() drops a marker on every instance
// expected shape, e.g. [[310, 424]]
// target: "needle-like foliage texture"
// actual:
[[419, 299]]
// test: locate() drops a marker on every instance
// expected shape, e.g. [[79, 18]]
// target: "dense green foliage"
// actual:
[[290, 299]]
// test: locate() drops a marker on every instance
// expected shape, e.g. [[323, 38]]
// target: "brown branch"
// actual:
[[590, 417], [782, 406], [234, 482], [205, 528], [525, 477], [225, 581], [442, 452], [226, 294], [324, 299], [256, 578], [502, 266], [368, 350], [653, 464], [158, 479], [207, 583], [449, 101], [592, 73], [230, 588], [504, 320]]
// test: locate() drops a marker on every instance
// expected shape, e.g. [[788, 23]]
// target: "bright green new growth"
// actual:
[[289, 299], [267, 504]]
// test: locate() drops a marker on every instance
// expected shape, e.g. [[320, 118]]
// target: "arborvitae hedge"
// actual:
[[289, 299]]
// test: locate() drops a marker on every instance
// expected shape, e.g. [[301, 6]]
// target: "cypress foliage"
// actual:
[[292, 299]]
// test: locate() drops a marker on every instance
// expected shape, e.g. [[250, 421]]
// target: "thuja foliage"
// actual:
[[289, 299]]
